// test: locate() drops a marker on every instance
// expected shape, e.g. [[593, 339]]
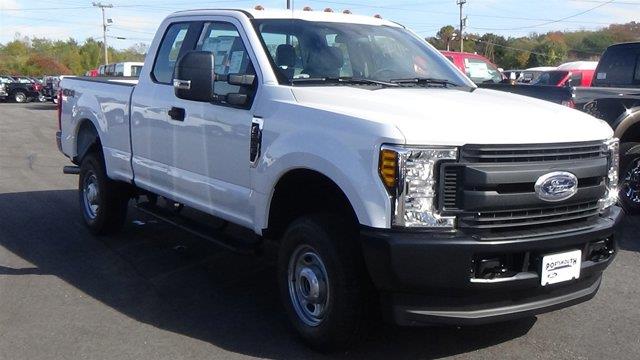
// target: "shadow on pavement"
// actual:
[[42, 106], [164, 277]]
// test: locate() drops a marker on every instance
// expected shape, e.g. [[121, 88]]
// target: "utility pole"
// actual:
[[289, 4], [104, 29], [462, 23]]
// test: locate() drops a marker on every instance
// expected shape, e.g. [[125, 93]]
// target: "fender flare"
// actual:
[[625, 121], [87, 137]]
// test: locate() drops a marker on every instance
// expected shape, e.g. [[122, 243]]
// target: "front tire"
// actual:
[[323, 282], [103, 202], [629, 196]]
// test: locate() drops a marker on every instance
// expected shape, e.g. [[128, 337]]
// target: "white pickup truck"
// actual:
[[388, 180]]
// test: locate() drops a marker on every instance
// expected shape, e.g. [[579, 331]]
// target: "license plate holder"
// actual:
[[560, 267]]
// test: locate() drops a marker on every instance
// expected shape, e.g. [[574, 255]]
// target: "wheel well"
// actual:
[[87, 140], [632, 134], [303, 192]]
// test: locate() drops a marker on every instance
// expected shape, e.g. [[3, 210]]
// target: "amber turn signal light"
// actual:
[[389, 168]]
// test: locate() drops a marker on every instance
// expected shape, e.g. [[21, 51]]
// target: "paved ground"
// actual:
[[155, 292]]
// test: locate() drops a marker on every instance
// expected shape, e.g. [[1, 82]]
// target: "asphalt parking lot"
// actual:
[[156, 292]]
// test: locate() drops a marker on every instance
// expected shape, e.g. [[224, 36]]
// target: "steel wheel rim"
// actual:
[[91, 195], [631, 184], [308, 285]]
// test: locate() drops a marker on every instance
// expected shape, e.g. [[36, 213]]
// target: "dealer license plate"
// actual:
[[561, 267]]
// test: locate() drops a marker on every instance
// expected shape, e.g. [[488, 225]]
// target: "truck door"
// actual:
[[200, 159], [212, 143], [152, 131]]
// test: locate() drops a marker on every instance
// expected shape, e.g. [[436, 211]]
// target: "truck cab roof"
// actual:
[[322, 16]]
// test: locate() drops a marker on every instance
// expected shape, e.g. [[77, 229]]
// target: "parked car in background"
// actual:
[[19, 89], [387, 180], [92, 73], [477, 67], [121, 69], [531, 74], [614, 96], [579, 73]]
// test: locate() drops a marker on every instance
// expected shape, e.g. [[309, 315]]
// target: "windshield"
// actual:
[[307, 50], [481, 71], [550, 78]]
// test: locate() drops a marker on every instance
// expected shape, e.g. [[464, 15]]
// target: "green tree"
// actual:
[[549, 53], [446, 35]]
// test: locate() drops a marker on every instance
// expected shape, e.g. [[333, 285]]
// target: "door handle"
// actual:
[[177, 113]]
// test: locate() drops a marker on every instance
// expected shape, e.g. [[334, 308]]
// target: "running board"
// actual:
[[200, 229], [71, 170]]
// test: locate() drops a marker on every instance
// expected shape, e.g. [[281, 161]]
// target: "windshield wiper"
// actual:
[[343, 80], [424, 81]]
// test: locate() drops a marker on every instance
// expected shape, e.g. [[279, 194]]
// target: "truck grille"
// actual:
[[532, 153], [491, 189]]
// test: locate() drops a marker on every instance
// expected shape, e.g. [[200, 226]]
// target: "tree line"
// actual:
[[40, 56], [549, 49]]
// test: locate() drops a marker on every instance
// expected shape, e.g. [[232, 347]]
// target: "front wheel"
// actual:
[[323, 282], [629, 195], [103, 202]]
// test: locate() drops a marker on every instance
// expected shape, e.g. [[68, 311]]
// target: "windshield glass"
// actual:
[[550, 78], [307, 50], [481, 71]]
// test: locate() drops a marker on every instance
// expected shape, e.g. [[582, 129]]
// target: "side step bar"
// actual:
[[71, 170], [201, 229]]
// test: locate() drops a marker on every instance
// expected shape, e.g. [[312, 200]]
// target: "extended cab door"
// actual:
[[205, 153]]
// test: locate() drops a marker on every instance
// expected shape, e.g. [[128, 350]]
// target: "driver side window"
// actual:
[[230, 54]]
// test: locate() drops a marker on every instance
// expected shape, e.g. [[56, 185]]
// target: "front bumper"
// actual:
[[427, 278]]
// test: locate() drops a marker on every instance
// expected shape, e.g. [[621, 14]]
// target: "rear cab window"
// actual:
[[170, 49], [620, 66]]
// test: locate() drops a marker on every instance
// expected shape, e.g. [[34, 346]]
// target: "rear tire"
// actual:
[[323, 282], [103, 202], [20, 97], [629, 196]]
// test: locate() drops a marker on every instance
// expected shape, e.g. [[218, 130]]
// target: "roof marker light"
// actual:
[[348, 12], [328, 10], [377, 16], [259, 7], [307, 8]]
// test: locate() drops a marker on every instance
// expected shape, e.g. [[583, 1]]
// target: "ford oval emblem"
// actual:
[[556, 186]]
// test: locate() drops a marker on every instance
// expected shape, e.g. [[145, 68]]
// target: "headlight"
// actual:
[[611, 196], [410, 175]]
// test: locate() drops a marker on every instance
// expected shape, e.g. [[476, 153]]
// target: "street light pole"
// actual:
[[461, 4], [104, 29]]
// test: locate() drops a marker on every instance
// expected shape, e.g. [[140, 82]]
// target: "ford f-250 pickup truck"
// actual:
[[614, 96], [387, 179]]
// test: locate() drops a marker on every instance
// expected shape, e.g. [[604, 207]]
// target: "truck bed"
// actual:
[[105, 103]]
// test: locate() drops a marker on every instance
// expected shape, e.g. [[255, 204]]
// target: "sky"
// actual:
[[136, 20]]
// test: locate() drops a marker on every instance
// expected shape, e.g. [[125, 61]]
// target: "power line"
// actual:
[[552, 21]]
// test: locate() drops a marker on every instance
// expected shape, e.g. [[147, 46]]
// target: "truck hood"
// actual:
[[437, 116]]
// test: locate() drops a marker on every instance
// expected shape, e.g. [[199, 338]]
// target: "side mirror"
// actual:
[[194, 75]]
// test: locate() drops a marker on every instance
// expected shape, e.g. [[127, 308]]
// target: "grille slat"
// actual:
[[532, 153], [547, 216]]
